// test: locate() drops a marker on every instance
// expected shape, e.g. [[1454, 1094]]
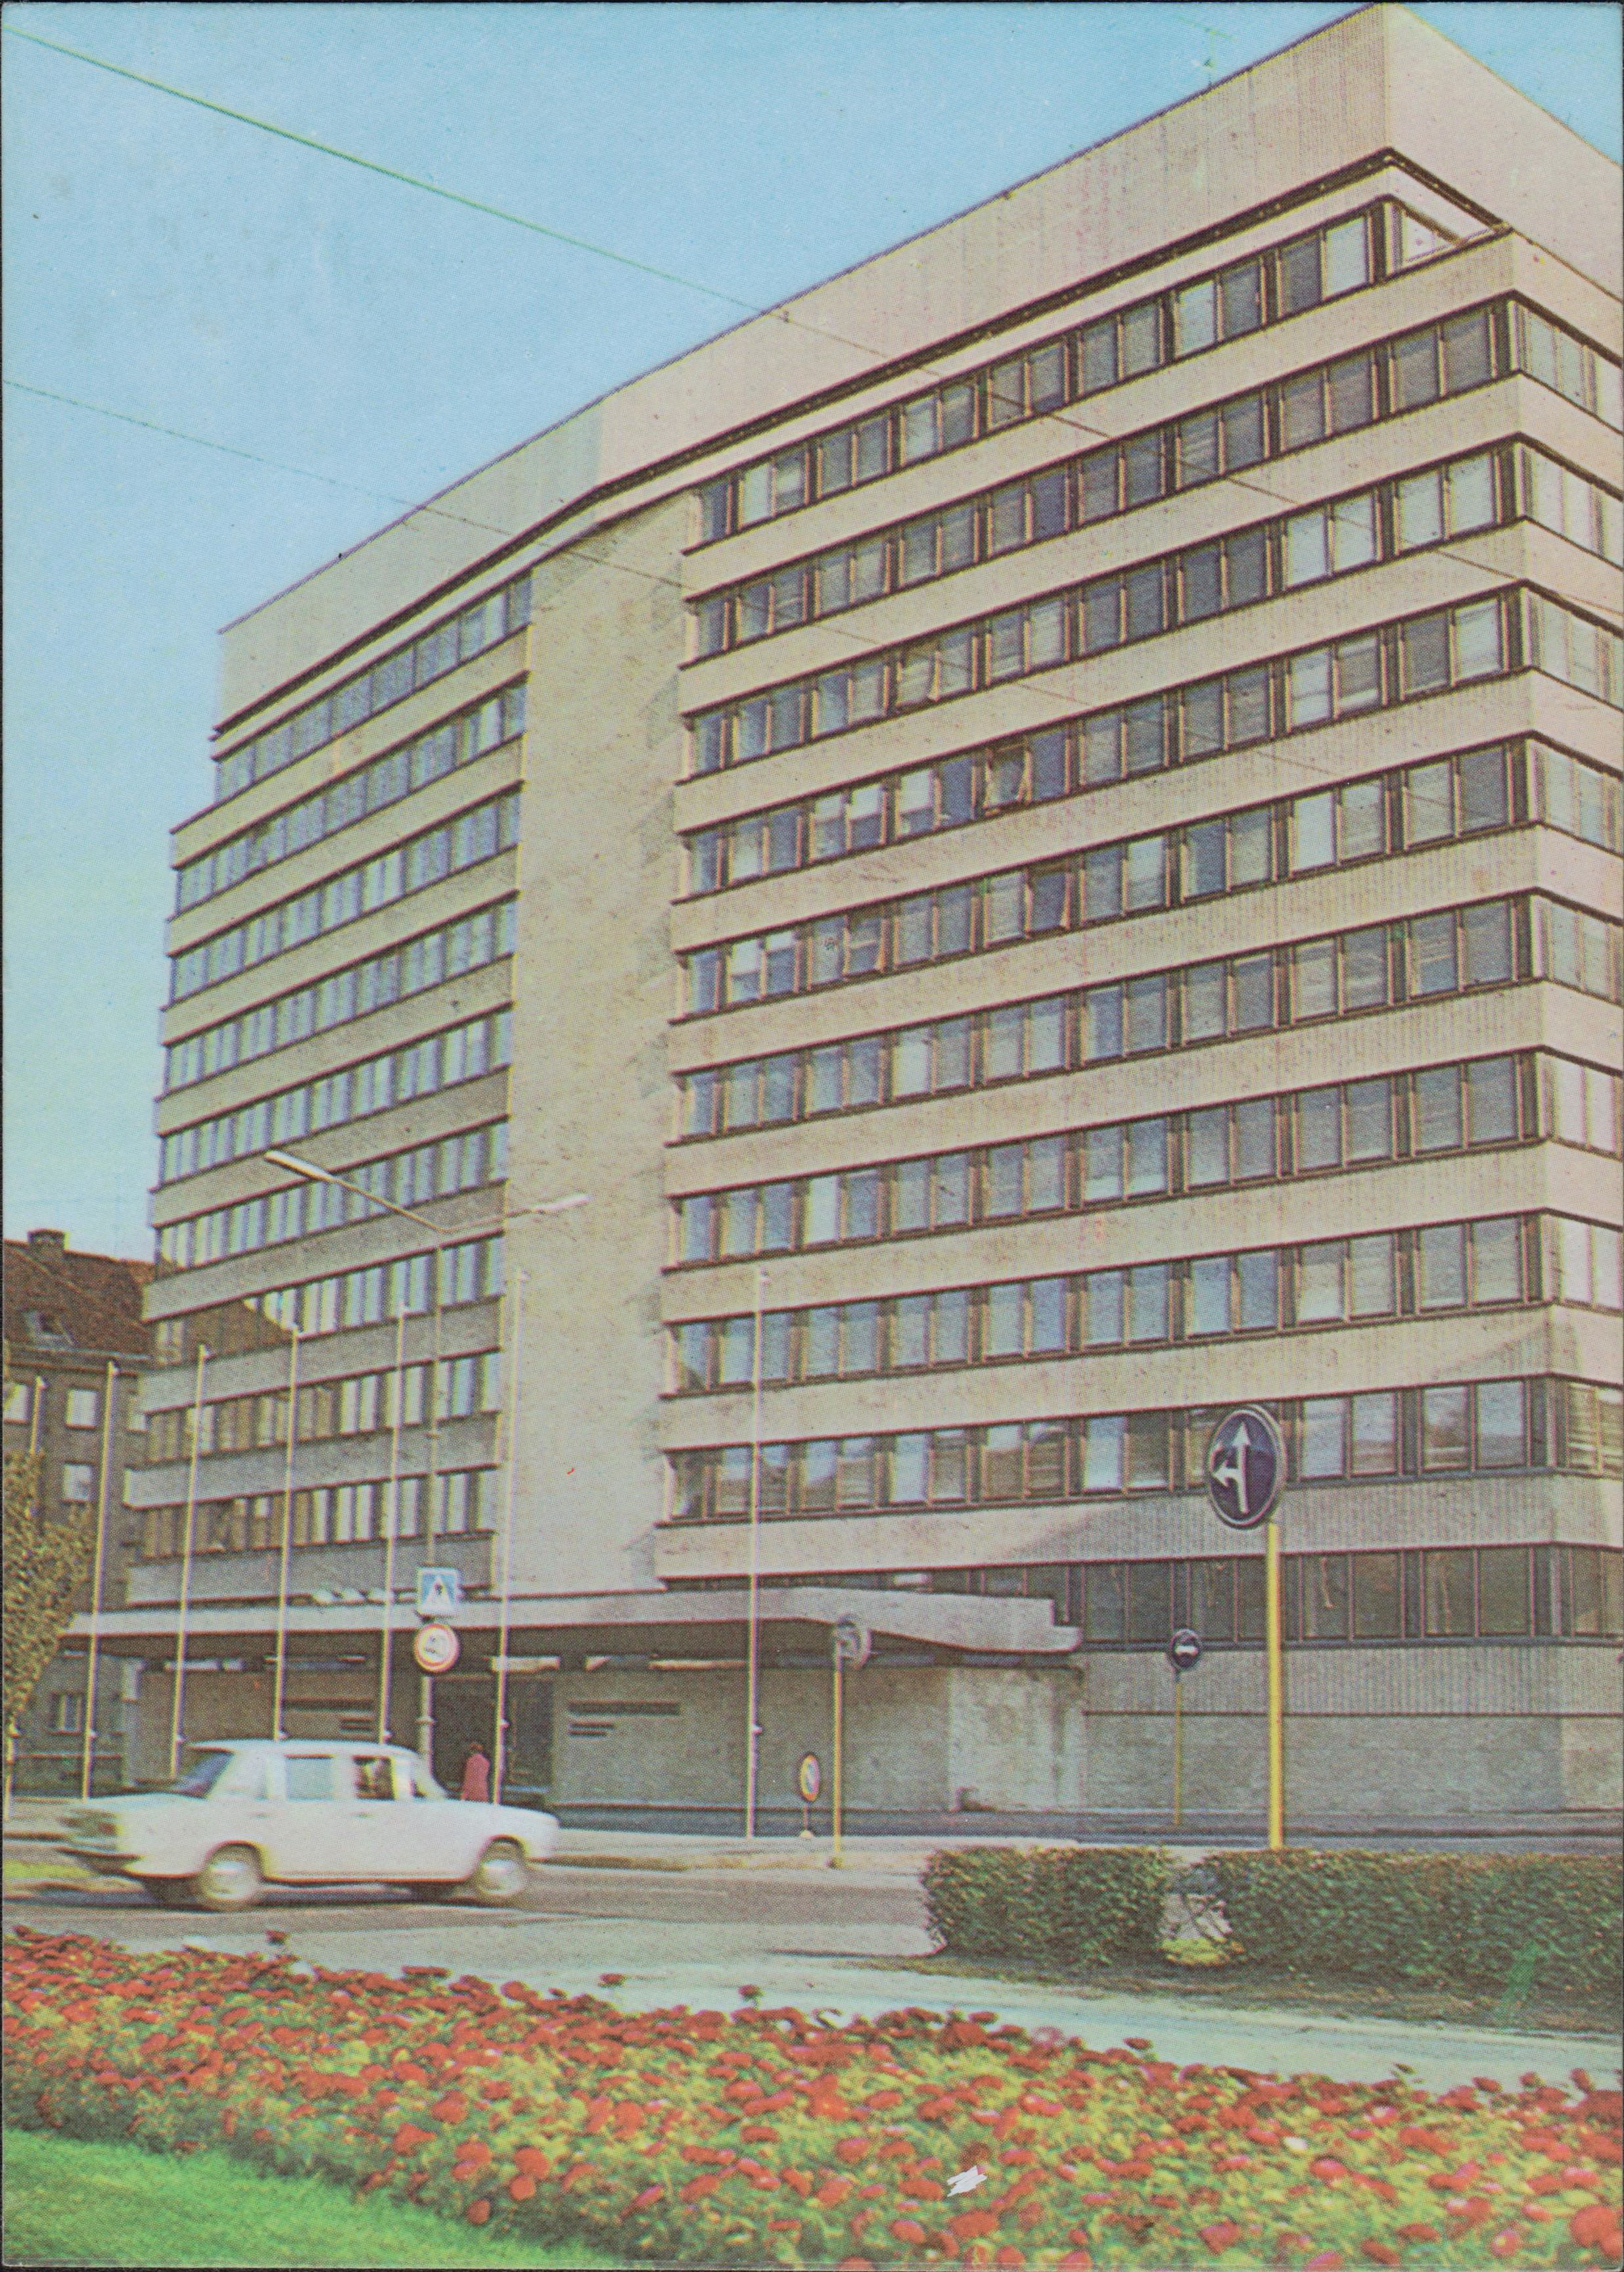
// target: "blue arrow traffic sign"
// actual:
[[1245, 1468]]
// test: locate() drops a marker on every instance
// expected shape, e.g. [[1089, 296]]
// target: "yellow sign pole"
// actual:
[[1178, 1749], [835, 1860], [1276, 1686]]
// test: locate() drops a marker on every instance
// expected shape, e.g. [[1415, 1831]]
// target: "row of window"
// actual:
[[450, 951], [457, 640], [476, 835], [1456, 1428], [361, 1404], [1106, 885], [328, 1514], [1359, 1123], [364, 789], [1375, 968], [1265, 1290], [1386, 380], [465, 1161], [375, 1294], [419, 1068], [81, 1407], [1575, 650], [1040, 380], [1450, 1592], [1463, 794], [1371, 670], [1424, 364]]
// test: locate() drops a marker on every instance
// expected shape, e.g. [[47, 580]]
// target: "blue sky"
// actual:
[[171, 266]]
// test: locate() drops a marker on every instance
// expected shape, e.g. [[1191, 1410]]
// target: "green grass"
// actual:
[[73, 2201]]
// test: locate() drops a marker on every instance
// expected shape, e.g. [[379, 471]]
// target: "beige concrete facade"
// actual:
[[580, 1458]]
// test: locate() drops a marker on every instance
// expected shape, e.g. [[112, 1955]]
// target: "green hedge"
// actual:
[[1478, 1921], [1067, 1906], [1483, 1923]]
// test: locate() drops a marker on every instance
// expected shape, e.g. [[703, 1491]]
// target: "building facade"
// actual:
[[1039, 831], [76, 1345]]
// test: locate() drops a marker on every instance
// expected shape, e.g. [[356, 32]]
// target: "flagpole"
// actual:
[[499, 1746], [87, 1757], [752, 1733], [280, 1685], [386, 1640], [177, 1704]]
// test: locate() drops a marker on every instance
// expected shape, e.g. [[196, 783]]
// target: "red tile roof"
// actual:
[[92, 1302]]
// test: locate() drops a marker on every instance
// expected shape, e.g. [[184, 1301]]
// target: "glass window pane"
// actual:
[[1102, 1454], [1503, 1589], [1444, 1440], [1105, 1610], [1441, 1266], [1325, 1597], [1497, 1261], [1254, 1137], [1321, 1442], [1371, 1286], [1207, 1296], [1206, 1148], [1437, 1115], [1502, 1413], [1374, 1428], [1449, 1593], [1319, 1282], [1257, 1282], [1103, 1308], [1376, 1599], [1433, 968], [1147, 1302], [1102, 1166], [1148, 1601]]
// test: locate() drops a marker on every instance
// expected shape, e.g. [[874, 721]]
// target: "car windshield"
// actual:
[[423, 1785], [201, 1775]]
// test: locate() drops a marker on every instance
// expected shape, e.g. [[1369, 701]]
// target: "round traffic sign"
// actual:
[[810, 1778], [435, 1647], [1245, 1468], [1184, 1650], [851, 1641]]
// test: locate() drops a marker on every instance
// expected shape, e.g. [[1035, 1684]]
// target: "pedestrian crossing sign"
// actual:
[[439, 1592]]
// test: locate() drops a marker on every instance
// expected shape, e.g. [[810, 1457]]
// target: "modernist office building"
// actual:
[[1039, 831]]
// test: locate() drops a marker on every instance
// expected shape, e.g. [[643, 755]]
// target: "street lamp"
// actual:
[[439, 1233]]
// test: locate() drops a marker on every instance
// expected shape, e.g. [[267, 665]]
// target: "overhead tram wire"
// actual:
[[1270, 495]]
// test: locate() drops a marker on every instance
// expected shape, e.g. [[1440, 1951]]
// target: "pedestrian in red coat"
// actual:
[[476, 1776]]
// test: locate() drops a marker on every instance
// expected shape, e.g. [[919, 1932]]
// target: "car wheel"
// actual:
[[502, 1874], [434, 1889], [229, 1879]]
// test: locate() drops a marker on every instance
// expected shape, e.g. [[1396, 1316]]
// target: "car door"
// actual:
[[312, 1829], [382, 1846]]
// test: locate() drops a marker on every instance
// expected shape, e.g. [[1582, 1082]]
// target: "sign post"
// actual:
[[1184, 1655], [1245, 1473], [436, 1648], [848, 1645]]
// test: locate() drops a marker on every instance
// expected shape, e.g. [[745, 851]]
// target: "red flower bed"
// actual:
[[767, 2137]]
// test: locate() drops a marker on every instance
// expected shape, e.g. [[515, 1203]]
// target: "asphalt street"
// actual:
[[819, 1940]]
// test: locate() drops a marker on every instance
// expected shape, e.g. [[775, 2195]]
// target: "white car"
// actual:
[[246, 1815]]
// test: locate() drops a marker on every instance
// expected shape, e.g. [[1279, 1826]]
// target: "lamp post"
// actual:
[[439, 1233]]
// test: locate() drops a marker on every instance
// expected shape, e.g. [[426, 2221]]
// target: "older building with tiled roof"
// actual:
[[75, 1347]]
